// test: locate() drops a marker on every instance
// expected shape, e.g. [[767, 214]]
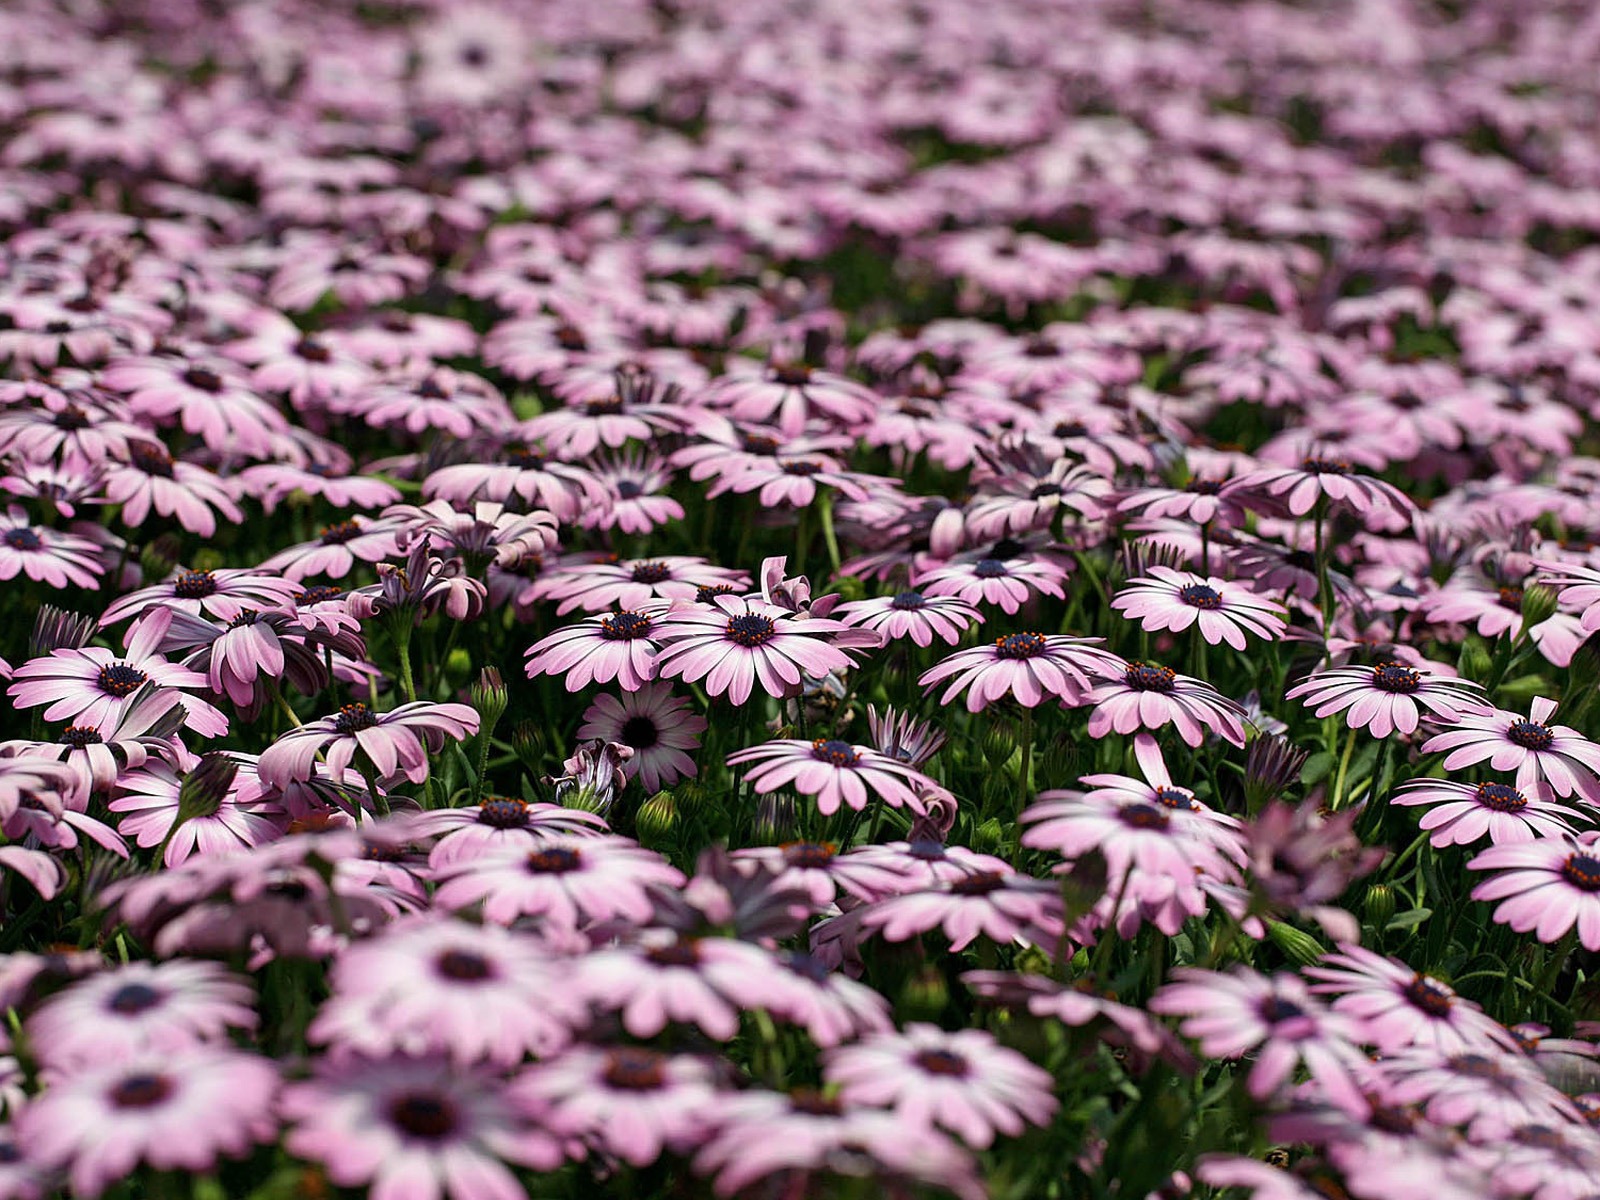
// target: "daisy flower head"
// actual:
[[659, 727], [177, 1110], [621, 645], [914, 615], [964, 1082], [500, 824], [994, 577], [397, 742], [569, 882], [1379, 505], [1165, 599], [1532, 746], [706, 982], [999, 904], [1396, 1007], [732, 642], [413, 1127], [1460, 814], [201, 812], [137, 1008], [833, 771], [49, 556], [1025, 666], [1386, 698], [1545, 887], [1138, 695]]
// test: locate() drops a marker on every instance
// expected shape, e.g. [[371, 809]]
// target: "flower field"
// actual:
[[907, 598]]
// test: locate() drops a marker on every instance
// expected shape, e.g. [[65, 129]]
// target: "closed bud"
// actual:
[[159, 556], [205, 788], [458, 663], [925, 994], [1474, 662], [775, 819], [56, 629], [1061, 763], [850, 588], [208, 559], [1298, 946], [1379, 905], [986, 838], [489, 697], [998, 746], [1084, 885], [1538, 604], [1272, 764], [657, 820], [528, 742], [689, 797]]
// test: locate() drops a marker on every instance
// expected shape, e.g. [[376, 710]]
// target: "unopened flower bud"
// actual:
[[527, 742], [56, 629], [1298, 946], [657, 820], [986, 838], [1538, 604], [1084, 885], [1379, 905], [159, 556], [925, 995], [1272, 764], [208, 559], [205, 788], [1474, 662], [998, 746], [489, 697]]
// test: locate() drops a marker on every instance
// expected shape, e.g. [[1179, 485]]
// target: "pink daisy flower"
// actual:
[[1387, 698], [152, 481], [1026, 666], [1464, 813], [177, 1110], [659, 727], [538, 481], [151, 804], [47, 555], [395, 742], [1174, 600], [1008, 582], [1545, 887], [631, 1102], [732, 642], [789, 395], [787, 479], [1538, 751], [622, 645], [500, 824], [222, 594], [1278, 1019], [1397, 1007], [693, 981], [998, 904], [833, 771], [410, 1128], [1488, 1091], [570, 882], [636, 484], [818, 870], [631, 584], [476, 993], [964, 1082], [1378, 504], [1146, 696], [338, 548], [136, 1009], [912, 614]]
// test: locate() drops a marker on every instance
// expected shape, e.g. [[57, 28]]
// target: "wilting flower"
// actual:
[[659, 727], [964, 1081], [398, 741], [1463, 813], [175, 1110], [1545, 887], [1027, 666], [1174, 600], [425, 584], [1538, 751], [833, 771], [594, 775], [1386, 698], [903, 737], [402, 1124]]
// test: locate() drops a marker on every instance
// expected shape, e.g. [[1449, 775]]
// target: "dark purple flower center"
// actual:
[[814, 1104], [353, 718], [1041, 347], [152, 460], [1501, 798], [1175, 797], [143, 1090], [247, 616], [751, 630], [1431, 996], [1395, 677], [807, 966], [705, 594], [22, 539], [1020, 645], [1145, 816], [651, 572], [791, 374], [194, 585], [1147, 677], [1531, 735], [640, 732], [524, 459], [908, 601], [431, 389], [1275, 1009], [979, 883], [464, 966], [835, 752], [317, 595], [1326, 466], [990, 568], [72, 418], [553, 860], [395, 320], [685, 952], [203, 379], [1204, 487], [133, 998], [1475, 1066], [603, 408], [426, 1116], [624, 627], [1582, 871], [79, 736], [119, 679], [1200, 595], [503, 813], [804, 467], [942, 1062], [1510, 597], [759, 443], [635, 1070], [808, 855], [1040, 491], [339, 532], [312, 350], [569, 337], [629, 489]]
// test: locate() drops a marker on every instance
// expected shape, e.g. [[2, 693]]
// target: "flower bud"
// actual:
[[527, 742], [925, 994], [1474, 662], [205, 788], [986, 838], [208, 559], [998, 746], [1538, 604], [489, 697], [1272, 764], [657, 820], [1379, 905], [159, 557], [1084, 885], [56, 629], [1298, 946]]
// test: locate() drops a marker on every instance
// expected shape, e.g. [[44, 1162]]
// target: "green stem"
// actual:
[[825, 511], [1344, 769], [1025, 767], [380, 802], [400, 631]]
